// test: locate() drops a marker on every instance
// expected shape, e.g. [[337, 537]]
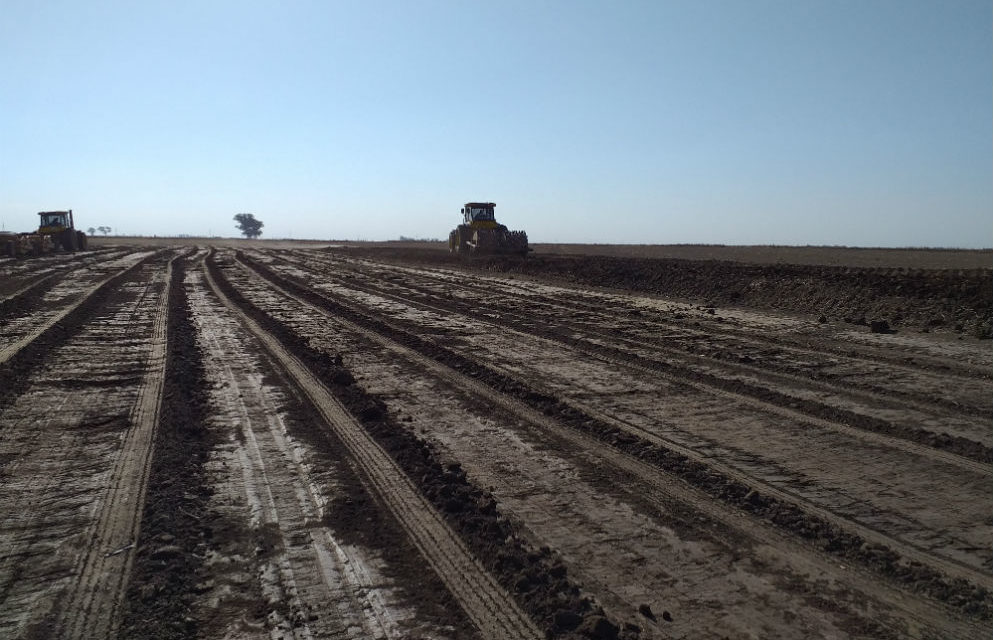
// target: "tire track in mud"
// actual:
[[313, 581], [26, 299], [686, 327], [20, 277], [762, 397], [829, 537], [62, 437], [485, 602], [920, 532], [576, 313], [92, 606], [657, 488], [906, 296], [35, 286], [24, 355], [913, 540]]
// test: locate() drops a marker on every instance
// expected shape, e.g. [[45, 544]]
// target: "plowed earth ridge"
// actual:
[[69, 436], [538, 580], [721, 366], [871, 558], [16, 338], [578, 292], [486, 603], [262, 469], [778, 371], [722, 375], [648, 477], [220, 461], [336, 443], [956, 298], [92, 606], [18, 276], [175, 528]]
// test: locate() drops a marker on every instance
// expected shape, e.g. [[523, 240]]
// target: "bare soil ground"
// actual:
[[907, 258], [329, 440]]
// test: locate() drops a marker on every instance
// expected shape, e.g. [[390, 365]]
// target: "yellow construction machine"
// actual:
[[56, 230], [481, 234], [58, 225]]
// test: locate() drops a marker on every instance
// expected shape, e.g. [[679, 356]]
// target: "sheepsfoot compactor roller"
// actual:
[[480, 234]]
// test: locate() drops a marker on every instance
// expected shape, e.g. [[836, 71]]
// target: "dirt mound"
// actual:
[[959, 300], [175, 524]]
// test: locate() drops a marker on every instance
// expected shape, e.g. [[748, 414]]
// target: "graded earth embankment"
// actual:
[[920, 299]]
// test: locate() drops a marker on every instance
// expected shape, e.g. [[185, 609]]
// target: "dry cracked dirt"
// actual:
[[269, 441]]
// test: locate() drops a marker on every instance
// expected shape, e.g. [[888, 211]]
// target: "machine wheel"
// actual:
[[81, 240], [459, 242], [68, 240]]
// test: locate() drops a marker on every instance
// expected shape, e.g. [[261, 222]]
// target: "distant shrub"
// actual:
[[406, 239]]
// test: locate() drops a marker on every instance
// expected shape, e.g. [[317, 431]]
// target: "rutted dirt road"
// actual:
[[306, 443]]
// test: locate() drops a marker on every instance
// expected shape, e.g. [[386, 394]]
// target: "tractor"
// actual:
[[56, 230], [58, 225], [480, 234]]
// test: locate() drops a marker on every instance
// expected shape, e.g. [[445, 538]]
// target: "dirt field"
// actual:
[[328, 440], [909, 258]]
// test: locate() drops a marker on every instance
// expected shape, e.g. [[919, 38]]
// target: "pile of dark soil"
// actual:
[[175, 529], [958, 300]]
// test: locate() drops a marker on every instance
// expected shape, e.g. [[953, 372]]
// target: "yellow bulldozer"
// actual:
[[480, 234], [56, 230]]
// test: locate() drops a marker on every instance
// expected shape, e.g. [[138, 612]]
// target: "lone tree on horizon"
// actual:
[[250, 227]]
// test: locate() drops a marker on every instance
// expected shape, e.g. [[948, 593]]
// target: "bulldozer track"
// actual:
[[878, 536], [908, 551], [569, 299], [695, 327], [16, 283], [493, 611], [699, 324]]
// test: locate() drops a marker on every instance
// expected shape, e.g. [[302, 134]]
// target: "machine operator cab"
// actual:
[[479, 215], [55, 221]]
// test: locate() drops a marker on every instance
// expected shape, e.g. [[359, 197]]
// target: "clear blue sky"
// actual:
[[854, 122]]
